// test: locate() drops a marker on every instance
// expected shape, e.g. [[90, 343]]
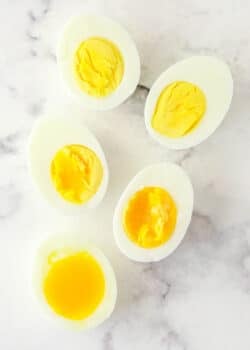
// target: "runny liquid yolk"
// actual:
[[98, 66], [76, 173], [74, 286], [149, 218], [179, 109]]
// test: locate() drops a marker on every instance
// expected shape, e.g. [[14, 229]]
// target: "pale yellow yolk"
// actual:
[[179, 109], [76, 173], [99, 66], [150, 217], [74, 286]]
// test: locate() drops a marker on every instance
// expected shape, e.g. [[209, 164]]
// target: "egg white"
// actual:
[[83, 27], [214, 78], [168, 176], [68, 244], [50, 134]]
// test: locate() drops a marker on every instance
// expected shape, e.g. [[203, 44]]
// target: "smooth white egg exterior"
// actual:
[[214, 78], [172, 178], [50, 134], [69, 244], [83, 27]]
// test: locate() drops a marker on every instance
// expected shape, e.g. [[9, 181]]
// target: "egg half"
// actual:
[[67, 163], [153, 213], [74, 281], [188, 101], [99, 61]]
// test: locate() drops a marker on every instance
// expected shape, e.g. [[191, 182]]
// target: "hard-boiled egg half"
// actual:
[[153, 213], [67, 163], [74, 281], [189, 101], [99, 61]]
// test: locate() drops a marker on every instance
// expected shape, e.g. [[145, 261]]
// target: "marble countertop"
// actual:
[[199, 297]]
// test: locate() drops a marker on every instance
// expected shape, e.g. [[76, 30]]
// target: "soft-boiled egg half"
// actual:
[[188, 101], [153, 213], [99, 61], [74, 281], [67, 163]]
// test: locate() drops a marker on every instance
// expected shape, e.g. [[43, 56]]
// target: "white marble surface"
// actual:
[[198, 298]]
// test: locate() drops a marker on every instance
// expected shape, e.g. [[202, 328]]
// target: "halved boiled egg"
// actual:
[[153, 213], [67, 163], [74, 281], [188, 101], [99, 61]]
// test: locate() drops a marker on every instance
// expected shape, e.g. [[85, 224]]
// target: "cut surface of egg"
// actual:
[[99, 61], [153, 213], [74, 281], [67, 163], [189, 101]]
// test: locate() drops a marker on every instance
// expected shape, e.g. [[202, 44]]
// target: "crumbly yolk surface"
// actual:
[[179, 109], [74, 286], [76, 173], [149, 219], [98, 66]]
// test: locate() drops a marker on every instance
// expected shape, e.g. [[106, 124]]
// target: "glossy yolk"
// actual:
[[179, 109], [74, 286], [98, 66], [150, 217], [76, 173]]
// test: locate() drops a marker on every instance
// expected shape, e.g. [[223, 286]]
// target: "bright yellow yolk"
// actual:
[[150, 217], [76, 173], [179, 109], [74, 286], [98, 66]]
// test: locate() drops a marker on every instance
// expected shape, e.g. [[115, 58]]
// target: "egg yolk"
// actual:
[[179, 109], [76, 173], [149, 218], [98, 66], [74, 286]]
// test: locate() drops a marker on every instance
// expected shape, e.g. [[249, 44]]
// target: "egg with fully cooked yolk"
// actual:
[[153, 213], [99, 61], [74, 282], [67, 163], [189, 101]]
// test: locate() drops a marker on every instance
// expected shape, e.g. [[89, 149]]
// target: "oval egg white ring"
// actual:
[[171, 177], [71, 244], [48, 136], [214, 78], [83, 27]]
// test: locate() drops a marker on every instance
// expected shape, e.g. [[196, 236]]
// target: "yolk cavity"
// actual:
[[150, 217], [76, 173], [179, 109], [74, 286], [98, 66]]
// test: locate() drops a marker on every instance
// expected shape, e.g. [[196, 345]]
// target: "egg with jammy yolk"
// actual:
[[74, 281], [67, 163], [153, 213], [98, 61], [188, 101]]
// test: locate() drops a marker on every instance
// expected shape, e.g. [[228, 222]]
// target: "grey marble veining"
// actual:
[[199, 297]]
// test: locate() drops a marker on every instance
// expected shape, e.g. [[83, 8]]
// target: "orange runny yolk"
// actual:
[[149, 218], [74, 286]]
